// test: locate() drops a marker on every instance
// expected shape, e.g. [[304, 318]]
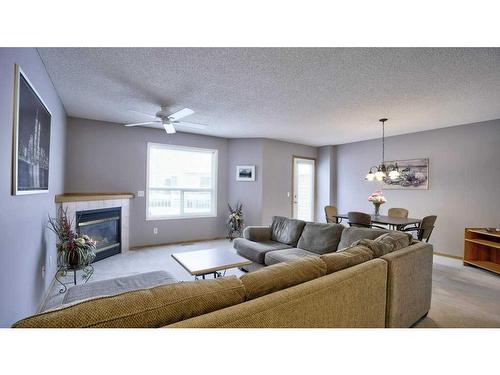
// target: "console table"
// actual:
[[482, 249]]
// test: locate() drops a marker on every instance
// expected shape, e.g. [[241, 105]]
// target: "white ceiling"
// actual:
[[314, 96]]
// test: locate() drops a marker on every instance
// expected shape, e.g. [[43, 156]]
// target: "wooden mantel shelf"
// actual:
[[79, 197]]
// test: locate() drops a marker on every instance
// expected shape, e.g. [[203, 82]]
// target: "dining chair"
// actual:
[[424, 229], [330, 212], [359, 219], [398, 212]]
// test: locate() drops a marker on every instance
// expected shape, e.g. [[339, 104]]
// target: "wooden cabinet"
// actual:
[[482, 249]]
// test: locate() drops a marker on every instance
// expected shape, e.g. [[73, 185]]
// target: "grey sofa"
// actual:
[[288, 239]]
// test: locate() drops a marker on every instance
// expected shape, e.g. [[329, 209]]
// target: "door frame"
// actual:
[[293, 184]]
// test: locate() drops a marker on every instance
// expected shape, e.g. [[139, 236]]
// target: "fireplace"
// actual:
[[104, 227]]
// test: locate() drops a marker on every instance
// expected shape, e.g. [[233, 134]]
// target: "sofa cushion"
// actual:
[[118, 285], [320, 238], [387, 243], [353, 234], [286, 255], [146, 308], [281, 276], [286, 230], [255, 251], [396, 239]]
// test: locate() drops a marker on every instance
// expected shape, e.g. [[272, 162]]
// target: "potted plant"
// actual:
[[73, 250], [377, 199], [235, 221]]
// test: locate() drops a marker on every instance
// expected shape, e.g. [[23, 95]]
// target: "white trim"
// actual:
[[213, 190], [18, 72], [310, 161]]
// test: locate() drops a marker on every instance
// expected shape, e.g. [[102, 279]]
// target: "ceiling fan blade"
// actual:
[[180, 114], [142, 123], [143, 113], [192, 125], [169, 128]]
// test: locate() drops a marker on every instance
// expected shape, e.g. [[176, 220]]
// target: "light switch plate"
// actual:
[[140, 193]]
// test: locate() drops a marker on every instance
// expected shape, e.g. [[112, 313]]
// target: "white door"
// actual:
[[303, 188]]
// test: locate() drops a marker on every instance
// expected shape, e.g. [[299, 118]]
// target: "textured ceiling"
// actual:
[[314, 96]]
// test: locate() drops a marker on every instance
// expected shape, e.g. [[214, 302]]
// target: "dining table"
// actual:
[[397, 222]]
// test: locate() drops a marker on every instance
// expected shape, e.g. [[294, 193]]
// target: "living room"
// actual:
[[247, 187]]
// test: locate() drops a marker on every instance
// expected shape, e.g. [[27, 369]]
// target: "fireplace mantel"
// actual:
[[82, 197]]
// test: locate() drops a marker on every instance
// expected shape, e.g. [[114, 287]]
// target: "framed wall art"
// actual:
[[414, 174], [31, 138], [245, 173]]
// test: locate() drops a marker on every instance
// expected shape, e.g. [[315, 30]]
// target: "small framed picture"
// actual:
[[245, 173], [31, 140]]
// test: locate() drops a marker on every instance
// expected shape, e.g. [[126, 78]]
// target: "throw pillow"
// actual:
[[346, 258], [352, 234], [386, 243]]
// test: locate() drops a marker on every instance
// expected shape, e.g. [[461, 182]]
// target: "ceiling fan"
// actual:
[[169, 120]]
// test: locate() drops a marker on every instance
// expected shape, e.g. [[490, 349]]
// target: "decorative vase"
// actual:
[[377, 208]]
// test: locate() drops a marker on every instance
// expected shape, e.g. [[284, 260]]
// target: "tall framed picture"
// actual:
[[31, 138], [414, 174], [245, 173]]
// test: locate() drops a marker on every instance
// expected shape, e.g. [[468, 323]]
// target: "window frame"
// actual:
[[213, 189]]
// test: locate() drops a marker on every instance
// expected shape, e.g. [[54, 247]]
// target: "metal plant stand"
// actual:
[[62, 271]]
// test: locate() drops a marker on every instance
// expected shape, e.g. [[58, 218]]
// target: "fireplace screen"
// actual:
[[103, 226]]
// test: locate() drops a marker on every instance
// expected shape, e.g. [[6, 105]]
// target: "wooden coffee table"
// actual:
[[209, 262]]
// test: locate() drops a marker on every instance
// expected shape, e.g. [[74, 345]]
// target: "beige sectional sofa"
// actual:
[[365, 285]]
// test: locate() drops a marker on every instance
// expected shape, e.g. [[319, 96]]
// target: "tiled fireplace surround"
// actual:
[[73, 203]]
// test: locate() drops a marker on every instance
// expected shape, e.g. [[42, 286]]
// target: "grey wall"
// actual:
[[25, 243], [464, 179], [249, 193], [326, 180], [107, 157], [277, 176]]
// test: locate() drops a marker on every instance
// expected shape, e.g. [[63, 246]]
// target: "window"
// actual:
[[181, 182]]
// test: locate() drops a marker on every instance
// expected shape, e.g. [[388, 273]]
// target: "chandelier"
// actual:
[[383, 170]]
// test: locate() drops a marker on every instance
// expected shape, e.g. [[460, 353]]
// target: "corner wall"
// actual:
[[248, 193], [25, 242], [277, 177], [464, 179], [326, 181]]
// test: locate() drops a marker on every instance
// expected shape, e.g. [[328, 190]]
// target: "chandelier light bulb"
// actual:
[[379, 175], [393, 175], [370, 176]]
